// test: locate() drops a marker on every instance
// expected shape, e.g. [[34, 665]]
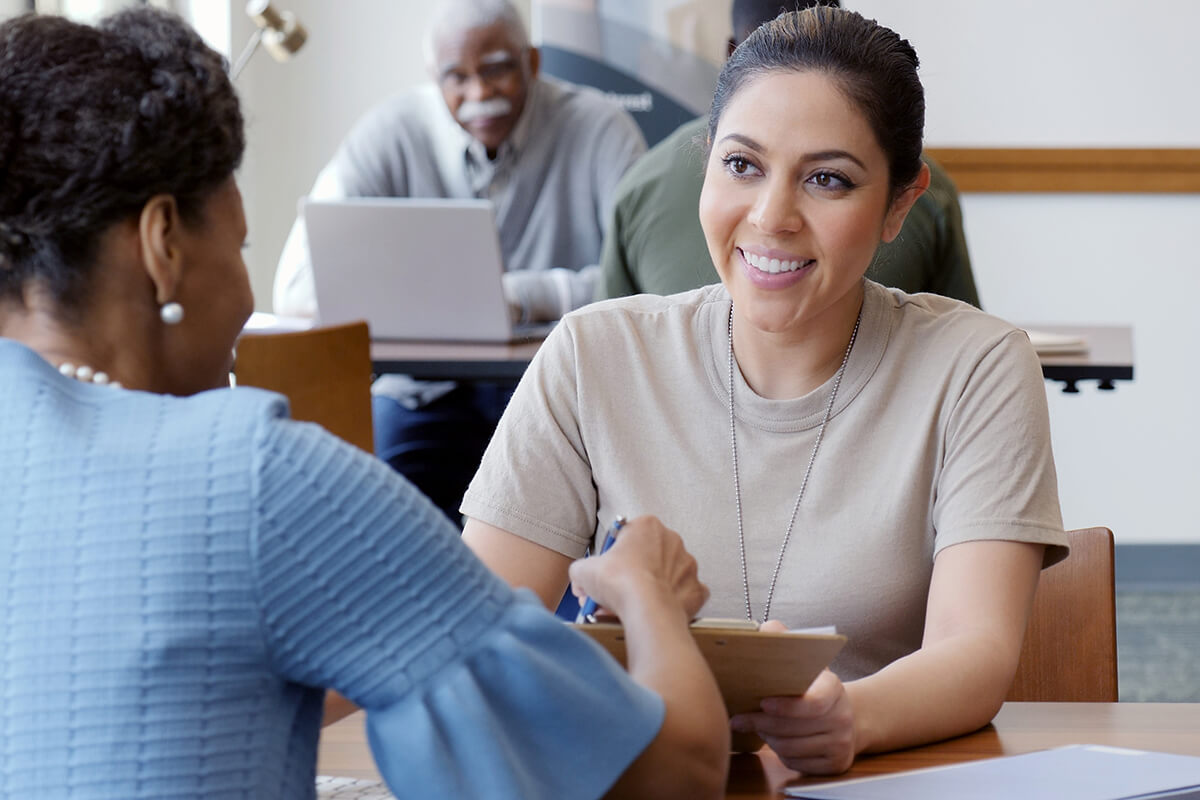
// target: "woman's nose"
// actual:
[[775, 210]]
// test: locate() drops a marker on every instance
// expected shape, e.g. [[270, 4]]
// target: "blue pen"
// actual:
[[587, 612]]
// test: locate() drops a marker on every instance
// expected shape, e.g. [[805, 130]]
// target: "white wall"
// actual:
[[1084, 73], [1020, 73]]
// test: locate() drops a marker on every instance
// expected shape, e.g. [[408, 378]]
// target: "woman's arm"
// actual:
[[975, 619], [649, 580], [520, 562]]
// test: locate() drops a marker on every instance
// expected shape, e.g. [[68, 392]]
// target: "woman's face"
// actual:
[[215, 294], [796, 199]]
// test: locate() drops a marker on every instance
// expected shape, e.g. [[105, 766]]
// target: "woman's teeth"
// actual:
[[765, 264]]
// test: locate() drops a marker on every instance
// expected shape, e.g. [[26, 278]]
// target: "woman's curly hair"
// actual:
[[94, 121]]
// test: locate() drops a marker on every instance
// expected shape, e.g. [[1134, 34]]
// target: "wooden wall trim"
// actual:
[[1171, 170]]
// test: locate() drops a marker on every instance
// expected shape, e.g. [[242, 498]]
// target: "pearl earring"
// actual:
[[171, 313]]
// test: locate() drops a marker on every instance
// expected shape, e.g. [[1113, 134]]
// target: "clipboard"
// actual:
[[749, 665]]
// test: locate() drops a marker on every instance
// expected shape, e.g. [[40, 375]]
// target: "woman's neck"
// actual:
[[783, 366], [48, 331]]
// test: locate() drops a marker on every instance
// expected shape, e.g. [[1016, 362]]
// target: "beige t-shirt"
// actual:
[[939, 435]]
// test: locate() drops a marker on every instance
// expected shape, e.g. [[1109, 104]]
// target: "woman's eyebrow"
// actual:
[[829, 155], [820, 155], [746, 140]]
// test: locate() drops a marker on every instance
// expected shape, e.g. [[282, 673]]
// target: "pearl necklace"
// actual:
[[737, 485], [86, 374]]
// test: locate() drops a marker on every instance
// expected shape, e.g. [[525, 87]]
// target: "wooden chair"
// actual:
[[324, 372], [1070, 651]]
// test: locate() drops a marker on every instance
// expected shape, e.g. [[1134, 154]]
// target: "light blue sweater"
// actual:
[[181, 577]]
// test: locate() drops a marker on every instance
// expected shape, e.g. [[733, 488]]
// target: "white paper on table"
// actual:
[[1052, 343]]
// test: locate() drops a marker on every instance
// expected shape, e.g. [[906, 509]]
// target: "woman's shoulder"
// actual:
[[934, 317], [647, 308], [218, 420]]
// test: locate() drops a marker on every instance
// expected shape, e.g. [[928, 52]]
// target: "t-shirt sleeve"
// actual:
[[366, 588], [998, 479], [535, 479]]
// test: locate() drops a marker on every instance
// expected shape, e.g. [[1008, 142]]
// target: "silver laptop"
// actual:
[[412, 268]]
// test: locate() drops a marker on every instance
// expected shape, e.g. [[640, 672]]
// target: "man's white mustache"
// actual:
[[472, 110]]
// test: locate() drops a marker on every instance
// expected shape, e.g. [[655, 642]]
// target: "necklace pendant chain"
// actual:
[[737, 485]]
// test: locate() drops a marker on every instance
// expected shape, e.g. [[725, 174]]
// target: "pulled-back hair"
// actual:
[[872, 65], [94, 121], [749, 14]]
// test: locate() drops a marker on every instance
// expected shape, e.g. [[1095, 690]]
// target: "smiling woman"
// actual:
[[831, 451]]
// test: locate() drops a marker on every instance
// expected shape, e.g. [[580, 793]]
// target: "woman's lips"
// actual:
[[774, 273]]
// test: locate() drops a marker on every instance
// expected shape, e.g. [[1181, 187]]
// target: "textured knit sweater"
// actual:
[[180, 578]]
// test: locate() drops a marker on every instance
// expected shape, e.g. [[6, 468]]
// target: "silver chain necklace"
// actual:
[[737, 485]]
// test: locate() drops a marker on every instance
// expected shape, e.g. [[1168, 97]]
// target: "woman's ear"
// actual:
[[903, 203], [161, 243]]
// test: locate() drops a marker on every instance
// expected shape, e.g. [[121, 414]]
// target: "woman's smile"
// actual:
[[773, 269]]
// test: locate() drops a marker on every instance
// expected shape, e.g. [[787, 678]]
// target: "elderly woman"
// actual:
[[832, 451], [183, 570]]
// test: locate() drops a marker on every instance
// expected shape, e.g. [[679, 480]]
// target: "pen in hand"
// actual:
[[587, 611]]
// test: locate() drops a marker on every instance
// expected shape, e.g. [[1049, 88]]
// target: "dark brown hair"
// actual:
[[872, 65], [94, 121]]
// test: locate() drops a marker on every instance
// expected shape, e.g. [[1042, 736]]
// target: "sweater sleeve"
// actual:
[[469, 687]]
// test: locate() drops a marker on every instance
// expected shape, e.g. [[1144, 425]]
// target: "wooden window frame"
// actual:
[[1108, 170]]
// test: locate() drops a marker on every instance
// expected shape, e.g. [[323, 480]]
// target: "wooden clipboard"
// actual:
[[749, 665]]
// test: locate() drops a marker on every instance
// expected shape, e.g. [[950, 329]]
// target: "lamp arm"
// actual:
[[247, 52]]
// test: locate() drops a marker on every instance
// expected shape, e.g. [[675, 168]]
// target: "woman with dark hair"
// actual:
[[183, 570], [833, 451]]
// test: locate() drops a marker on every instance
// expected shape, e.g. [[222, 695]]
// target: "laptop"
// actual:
[[422, 269]]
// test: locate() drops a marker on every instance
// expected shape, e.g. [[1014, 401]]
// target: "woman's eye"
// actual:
[[830, 180], [737, 165]]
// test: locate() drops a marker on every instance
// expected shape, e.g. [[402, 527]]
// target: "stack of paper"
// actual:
[[1055, 343], [1077, 772]]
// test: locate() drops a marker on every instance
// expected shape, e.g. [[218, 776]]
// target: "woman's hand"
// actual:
[[813, 733], [646, 556]]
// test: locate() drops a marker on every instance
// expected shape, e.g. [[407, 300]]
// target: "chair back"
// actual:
[[1070, 650], [325, 373]]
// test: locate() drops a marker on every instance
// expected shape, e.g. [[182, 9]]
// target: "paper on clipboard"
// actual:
[[749, 665]]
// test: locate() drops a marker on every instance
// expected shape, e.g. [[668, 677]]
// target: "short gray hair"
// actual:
[[462, 15]]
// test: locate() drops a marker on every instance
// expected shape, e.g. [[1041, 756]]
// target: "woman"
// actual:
[[834, 452], [183, 571]]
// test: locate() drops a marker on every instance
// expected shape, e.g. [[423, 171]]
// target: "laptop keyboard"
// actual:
[[330, 787]]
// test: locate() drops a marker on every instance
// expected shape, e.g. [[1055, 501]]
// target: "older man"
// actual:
[[546, 154], [549, 157], [655, 244]]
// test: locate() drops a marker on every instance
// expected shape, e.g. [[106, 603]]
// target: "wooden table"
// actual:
[[1109, 358], [1018, 728]]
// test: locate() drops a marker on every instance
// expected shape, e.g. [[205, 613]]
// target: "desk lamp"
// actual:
[[278, 31]]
